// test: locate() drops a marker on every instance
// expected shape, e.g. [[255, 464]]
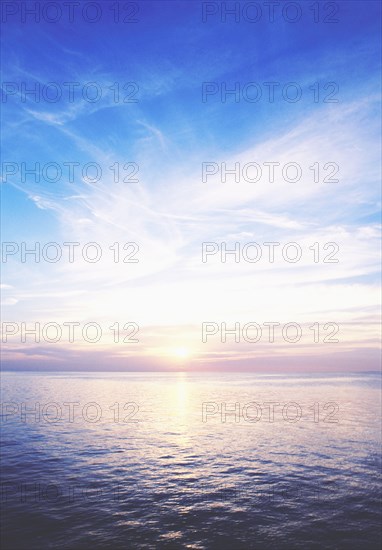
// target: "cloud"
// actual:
[[170, 212]]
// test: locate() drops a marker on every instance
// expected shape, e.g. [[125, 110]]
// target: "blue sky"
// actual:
[[169, 132]]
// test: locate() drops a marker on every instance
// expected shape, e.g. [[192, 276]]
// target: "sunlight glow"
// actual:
[[181, 353]]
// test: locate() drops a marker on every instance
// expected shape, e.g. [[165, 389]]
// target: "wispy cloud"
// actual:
[[170, 210]]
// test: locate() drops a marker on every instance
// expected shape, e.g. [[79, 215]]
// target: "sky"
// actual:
[[132, 126]]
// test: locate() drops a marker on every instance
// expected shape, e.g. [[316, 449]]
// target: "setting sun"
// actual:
[[181, 353]]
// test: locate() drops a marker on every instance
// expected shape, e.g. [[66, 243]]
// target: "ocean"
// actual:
[[190, 460]]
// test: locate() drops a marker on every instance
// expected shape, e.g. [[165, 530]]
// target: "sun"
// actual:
[[181, 353]]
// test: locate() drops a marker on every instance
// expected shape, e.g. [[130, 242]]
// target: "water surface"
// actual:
[[137, 461]]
